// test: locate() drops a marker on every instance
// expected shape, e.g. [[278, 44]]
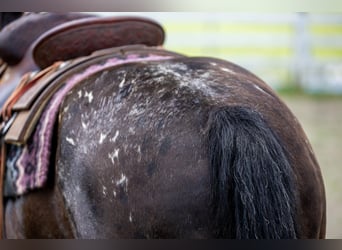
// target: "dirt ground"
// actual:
[[321, 119]]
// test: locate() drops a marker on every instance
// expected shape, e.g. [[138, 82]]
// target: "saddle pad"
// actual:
[[27, 166]]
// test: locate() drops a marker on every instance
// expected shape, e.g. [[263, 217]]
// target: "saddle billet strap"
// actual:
[[27, 82], [27, 98], [5, 111], [27, 117]]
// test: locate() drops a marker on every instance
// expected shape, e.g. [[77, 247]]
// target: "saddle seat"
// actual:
[[17, 37], [82, 37]]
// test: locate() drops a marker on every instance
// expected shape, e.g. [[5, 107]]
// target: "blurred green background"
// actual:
[[298, 54]]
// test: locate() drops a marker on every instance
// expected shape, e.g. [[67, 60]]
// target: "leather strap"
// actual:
[[25, 84]]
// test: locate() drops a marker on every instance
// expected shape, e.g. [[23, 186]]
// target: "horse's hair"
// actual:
[[253, 194]]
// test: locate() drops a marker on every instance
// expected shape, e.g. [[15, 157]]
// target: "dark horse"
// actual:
[[160, 145]]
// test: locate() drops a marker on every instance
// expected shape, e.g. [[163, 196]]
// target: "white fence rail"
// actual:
[[284, 49]]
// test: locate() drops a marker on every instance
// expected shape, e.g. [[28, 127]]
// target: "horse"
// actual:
[[149, 143]]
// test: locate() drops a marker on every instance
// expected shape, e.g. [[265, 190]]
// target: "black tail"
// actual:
[[253, 194]]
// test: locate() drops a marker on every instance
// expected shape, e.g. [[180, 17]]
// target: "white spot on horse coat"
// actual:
[[263, 91], [66, 108], [136, 111], [113, 139], [198, 84], [227, 70], [260, 89], [84, 125], [172, 69], [123, 180], [79, 94], [89, 96], [130, 217], [104, 190], [131, 130], [121, 84], [70, 140], [102, 137], [114, 155], [139, 152]]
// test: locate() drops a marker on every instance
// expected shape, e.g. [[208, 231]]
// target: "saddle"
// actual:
[[59, 54], [69, 40], [17, 37], [15, 42]]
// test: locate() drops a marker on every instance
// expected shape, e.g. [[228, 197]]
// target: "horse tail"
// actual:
[[252, 193]]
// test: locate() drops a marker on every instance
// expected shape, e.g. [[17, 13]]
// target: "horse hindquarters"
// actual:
[[253, 194]]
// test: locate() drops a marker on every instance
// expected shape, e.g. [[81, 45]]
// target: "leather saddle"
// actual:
[[69, 39], [15, 42], [75, 39], [58, 54], [18, 36]]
